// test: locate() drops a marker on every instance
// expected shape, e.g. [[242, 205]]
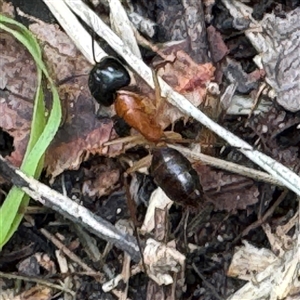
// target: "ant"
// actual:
[[170, 169]]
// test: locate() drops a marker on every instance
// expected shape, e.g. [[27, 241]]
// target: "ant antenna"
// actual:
[[93, 45]]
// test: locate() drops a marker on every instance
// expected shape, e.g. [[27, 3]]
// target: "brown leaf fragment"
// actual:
[[101, 178], [35, 293], [84, 134], [228, 192], [54, 37], [29, 267], [46, 262], [18, 82], [249, 260], [161, 260], [60, 53], [218, 48], [154, 291], [185, 75], [189, 79], [7, 9]]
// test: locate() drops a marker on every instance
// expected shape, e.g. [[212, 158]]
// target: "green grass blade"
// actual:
[[41, 135]]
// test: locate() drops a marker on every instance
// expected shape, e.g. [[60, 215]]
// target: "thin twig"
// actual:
[[228, 166], [264, 218], [70, 254], [200, 217], [38, 281], [256, 100], [206, 283]]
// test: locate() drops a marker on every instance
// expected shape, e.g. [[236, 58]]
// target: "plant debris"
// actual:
[[238, 63]]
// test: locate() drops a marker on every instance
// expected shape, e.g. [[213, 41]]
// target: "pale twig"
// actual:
[[257, 98], [38, 281], [228, 166], [70, 254], [263, 219]]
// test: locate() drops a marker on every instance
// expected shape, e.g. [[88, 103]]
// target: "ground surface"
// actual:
[[218, 50]]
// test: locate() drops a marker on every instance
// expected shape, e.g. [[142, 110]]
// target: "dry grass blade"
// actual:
[[228, 166]]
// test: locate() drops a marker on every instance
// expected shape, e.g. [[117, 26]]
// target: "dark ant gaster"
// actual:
[[174, 174]]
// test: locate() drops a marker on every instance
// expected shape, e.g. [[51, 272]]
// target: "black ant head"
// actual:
[[106, 77]]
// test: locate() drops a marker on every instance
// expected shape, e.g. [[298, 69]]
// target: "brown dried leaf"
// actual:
[[18, 82], [158, 200], [45, 261], [249, 260], [227, 191], [35, 293], [189, 79], [54, 37], [218, 48], [7, 9], [101, 178], [80, 135], [186, 76], [61, 55]]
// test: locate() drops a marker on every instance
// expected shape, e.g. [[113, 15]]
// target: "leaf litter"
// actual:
[[82, 135]]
